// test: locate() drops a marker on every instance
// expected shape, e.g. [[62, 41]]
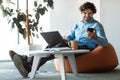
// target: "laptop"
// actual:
[[54, 41]]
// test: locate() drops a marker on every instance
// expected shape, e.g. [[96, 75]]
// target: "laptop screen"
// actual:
[[54, 39]]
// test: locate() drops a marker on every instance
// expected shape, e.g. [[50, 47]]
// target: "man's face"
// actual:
[[87, 14]]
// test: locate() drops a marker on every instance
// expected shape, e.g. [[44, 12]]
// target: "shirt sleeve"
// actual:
[[71, 36], [101, 37]]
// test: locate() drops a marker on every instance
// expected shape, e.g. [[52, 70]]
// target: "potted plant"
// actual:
[[26, 26], [25, 22]]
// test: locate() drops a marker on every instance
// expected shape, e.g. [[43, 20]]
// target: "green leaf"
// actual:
[[41, 11], [21, 17], [41, 28], [24, 34], [13, 26], [32, 28], [50, 3], [1, 1], [36, 28], [37, 16], [35, 3], [45, 0], [15, 20], [45, 8], [33, 34], [5, 13]]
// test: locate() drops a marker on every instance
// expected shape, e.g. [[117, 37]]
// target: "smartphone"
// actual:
[[90, 29]]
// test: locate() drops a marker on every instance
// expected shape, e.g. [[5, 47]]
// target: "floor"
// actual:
[[47, 72]]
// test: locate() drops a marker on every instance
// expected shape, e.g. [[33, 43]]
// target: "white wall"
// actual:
[[110, 18]]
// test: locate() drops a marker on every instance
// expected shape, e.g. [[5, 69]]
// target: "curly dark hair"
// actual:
[[88, 5]]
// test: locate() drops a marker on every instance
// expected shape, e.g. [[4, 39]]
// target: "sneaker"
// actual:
[[11, 53], [22, 65]]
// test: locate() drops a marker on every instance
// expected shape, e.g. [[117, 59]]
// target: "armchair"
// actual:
[[98, 60]]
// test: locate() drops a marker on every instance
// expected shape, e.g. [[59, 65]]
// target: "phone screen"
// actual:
[[90, 29]]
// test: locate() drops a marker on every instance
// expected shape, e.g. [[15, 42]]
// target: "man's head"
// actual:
[[87, 9]]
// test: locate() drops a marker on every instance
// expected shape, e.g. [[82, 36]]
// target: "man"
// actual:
[[89, 33]]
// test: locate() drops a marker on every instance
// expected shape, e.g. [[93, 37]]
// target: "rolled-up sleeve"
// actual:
[[101, 37]]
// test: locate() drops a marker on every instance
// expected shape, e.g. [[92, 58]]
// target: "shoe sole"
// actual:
[[19, 64]]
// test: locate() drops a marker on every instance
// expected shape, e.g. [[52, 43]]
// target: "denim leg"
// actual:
[[45, 59], [42, 61]]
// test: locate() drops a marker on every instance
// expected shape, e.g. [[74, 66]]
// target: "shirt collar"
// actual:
[[90, 20]]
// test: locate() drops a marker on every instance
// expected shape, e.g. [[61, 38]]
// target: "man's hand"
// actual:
[[91, 35]]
